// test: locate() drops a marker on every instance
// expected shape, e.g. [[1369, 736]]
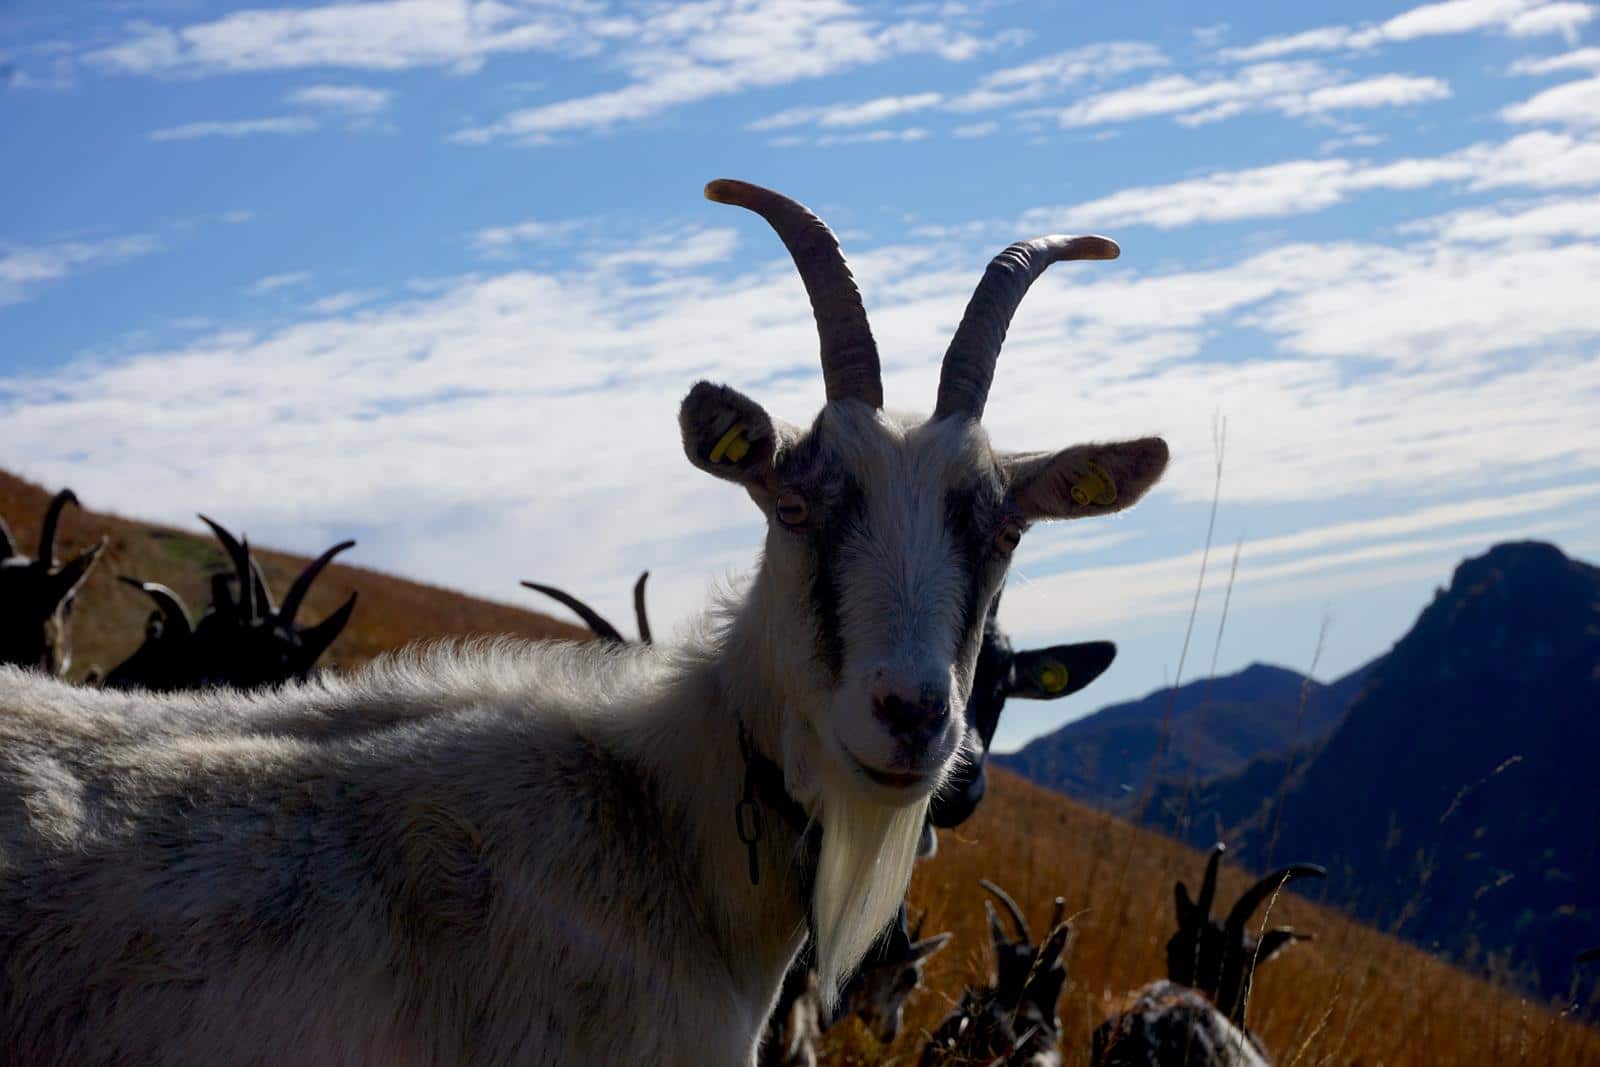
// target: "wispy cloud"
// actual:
[[1054, 73], [1519, 18], [273, 283], [863, 113], [500, 240], [24, 268], [1299, 88], [353, 100], [1575, 104], [1538, 160], [679, 56], [1581, 59], [828, 140], [366, 36], [276, 126]]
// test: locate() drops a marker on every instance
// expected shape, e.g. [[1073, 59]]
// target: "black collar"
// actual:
[[764, 790]]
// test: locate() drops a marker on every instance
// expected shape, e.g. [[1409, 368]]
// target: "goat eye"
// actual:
[[1009, 537], [792, 508]]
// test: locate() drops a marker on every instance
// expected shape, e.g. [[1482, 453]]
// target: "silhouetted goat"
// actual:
[[243, 640], [1196, 1017], [1013, 1021], [36, 596]]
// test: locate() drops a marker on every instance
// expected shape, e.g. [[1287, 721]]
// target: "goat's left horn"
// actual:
[[8, 547], [240, 555], [302, 583], [52, 517], [850, 365], [1011, 907], [168, 603], [638, 608], [968, 368], [1247, 904]]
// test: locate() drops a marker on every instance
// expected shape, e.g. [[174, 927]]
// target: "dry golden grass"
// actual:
[[108, 621], [1355, 996]]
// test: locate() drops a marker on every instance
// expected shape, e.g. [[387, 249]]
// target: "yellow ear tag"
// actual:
[[1095, 488], [731, 447], [1053, 677]]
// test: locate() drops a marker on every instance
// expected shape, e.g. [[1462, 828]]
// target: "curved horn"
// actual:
[[52, 516], [8, 547], [1208, 888], [240, 555], [1247, 904], [849, 354], [258, 584], [314, 640], [638, 608], [602, 629], [302, 583], [968, 368], [1011, 907], [169, 603]]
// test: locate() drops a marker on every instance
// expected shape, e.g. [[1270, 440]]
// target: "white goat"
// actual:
[[552, 854]]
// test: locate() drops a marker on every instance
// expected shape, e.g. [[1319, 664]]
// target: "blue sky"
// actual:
[[435, 274]]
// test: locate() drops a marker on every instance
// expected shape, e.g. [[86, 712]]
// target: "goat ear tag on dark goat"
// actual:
[[1050, 673]]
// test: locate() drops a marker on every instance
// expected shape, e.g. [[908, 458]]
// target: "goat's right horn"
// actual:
[[169, 603], [968, 368], [8, 547], [302, 582], [1208, 888], [1247, 904], [850, 365], [1011, 907], [638, 608], [602, 629], [52, 516], [240, 555]]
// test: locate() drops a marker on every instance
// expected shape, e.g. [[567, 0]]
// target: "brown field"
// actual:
[[1355, 996]]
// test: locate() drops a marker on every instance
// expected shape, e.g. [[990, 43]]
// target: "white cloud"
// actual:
[[1551, 219], [829, 140], [1540, 160], [680, 55], [1299, 88], [273, 283], [280, 126], [863, 113], [499, 240], [338, 303], [354, 100], [24, 268], [395, 35], [976, 129], [1581, 59], [1575, 104], [1053, 73], [1520, 18]]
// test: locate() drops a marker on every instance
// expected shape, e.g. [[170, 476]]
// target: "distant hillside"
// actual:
[[1458, 801], [1213, 727], [108, 621]]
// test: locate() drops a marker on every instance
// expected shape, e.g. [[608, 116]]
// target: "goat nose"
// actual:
[[910, 714]]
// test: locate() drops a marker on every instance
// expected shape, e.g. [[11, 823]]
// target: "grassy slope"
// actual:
[[108, 621], [1353, 997]]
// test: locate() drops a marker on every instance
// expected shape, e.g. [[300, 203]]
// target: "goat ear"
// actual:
[[921, 950], [65, 582], [1085, 480], [1276, 940], [727, 434], [1052, 673]]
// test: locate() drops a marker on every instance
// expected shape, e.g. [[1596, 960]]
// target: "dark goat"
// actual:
[[593, 619], [1013, 1021], [1196, 1017], [876, 994], [243, 640], [1035, 674], [36, 596]]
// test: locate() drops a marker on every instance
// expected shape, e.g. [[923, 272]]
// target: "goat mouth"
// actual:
[[892, 779]]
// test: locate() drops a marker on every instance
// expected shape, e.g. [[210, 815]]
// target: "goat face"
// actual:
[[1220, 959], [878, 992], [888, 537], [38, 596]]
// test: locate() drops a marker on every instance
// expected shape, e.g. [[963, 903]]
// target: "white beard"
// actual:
[[868, 851]]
